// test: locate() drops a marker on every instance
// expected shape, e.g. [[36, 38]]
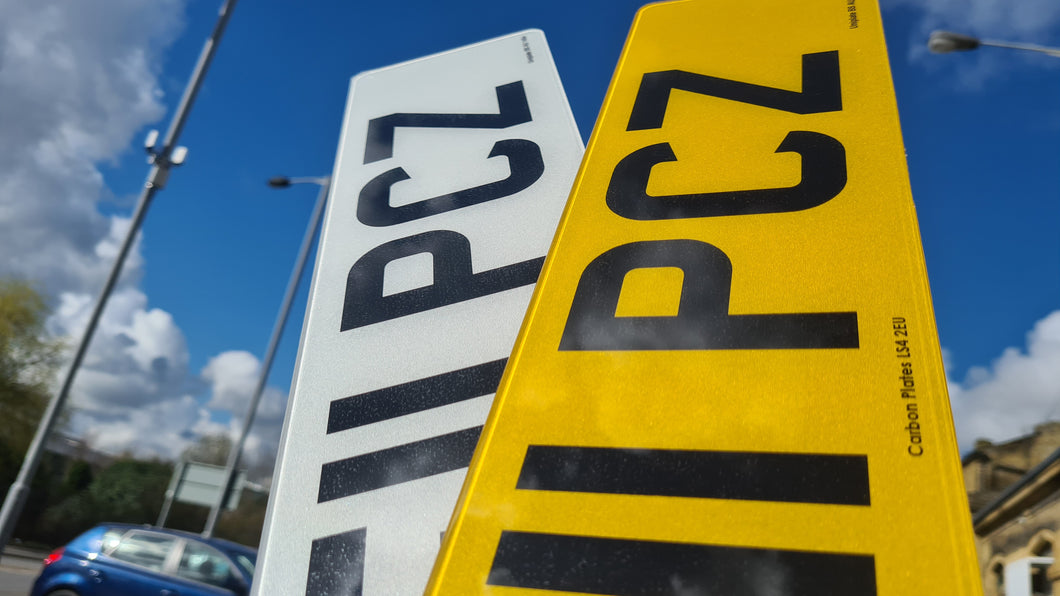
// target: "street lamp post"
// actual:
[[162, 159], [274, 341], [944, 42]]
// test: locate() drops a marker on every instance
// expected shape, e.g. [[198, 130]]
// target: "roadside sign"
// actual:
[[201, 484], [450, 179], [729, 379]]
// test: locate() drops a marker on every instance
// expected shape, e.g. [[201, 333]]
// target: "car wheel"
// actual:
[[62, 593]]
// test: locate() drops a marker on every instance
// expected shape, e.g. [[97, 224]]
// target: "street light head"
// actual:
[[151, 141], [943, 42], [279, 182], [178, 155]]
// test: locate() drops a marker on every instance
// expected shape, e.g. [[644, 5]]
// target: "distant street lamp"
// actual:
[[944, 42], [277, 330]]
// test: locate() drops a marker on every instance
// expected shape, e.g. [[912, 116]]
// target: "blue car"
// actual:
[[128, 560]]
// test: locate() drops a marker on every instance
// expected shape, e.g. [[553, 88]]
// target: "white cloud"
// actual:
[[1026, 19], [233, 376], [138, 355], [260, 449], [78, 79], [162, 428], [1017, 391]]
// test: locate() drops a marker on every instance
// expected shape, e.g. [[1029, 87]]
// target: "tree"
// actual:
[[129, 490], [78, 477], [28, 360], [208, 449], [244, 525]]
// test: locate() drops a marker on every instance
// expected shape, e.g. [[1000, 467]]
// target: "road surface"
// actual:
[[17, 573]]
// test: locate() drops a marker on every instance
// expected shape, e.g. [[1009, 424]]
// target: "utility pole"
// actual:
[[270, 352], [162, 159]]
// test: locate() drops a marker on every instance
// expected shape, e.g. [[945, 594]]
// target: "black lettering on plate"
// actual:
[[824, 175], [821, 91], [748, 476], [702, 322], [336, 564], [397, 465], [364, 303], [415, 396], [511, 101], [524, 160], [642, 568]]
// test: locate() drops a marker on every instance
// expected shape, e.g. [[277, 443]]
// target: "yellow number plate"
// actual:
[[729, 379]]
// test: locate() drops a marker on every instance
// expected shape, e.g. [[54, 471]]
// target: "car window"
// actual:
[[110, 539], [144, 549], [202, 563]]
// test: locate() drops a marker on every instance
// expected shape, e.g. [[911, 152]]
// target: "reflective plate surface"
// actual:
[[729, 380], [450, 179]]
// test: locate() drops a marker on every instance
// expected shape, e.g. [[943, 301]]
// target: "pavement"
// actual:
[[19, 557], [18, 568]]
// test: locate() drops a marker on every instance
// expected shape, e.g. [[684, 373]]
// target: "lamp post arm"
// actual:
[[1028, 47]]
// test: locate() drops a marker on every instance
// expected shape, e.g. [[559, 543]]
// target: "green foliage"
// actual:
[[61, 522], [28, 359], [63, 507], [244, 525], [69, 497], [78, 478], [187, 517], [131, 490], [43, 491], [10, 460], [209, 449]]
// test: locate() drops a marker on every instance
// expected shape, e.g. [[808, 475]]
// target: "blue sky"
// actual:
[[81, 83]]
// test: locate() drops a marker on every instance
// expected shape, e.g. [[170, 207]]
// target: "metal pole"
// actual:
[[174, 484], [156, 180], [270, 354], [1027, 47]]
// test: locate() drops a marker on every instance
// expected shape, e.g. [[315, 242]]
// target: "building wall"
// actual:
[[993, 467], [1030, 533]]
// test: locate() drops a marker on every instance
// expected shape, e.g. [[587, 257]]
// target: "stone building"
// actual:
[[1014, 494]]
